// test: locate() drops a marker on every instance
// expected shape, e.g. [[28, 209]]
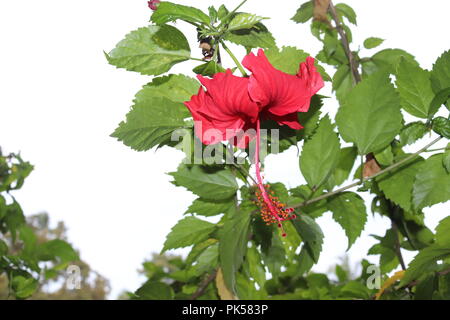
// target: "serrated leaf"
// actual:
[[208, 184], [150, 50], [414, 87], [198, 249], [342, 82], [412, 132], [345, 163], [288, 60], [432, 184], [372, 42], [424, 261], [320, 154], [150, 123], [168, 12], [233, 245], [256, 37], [188, 231], [349, 211], [441, 98], [443, 232], [397, 184], [385, 157], [210, 208], [244, 21], [346, 11], [304, 13], [311, 235], [440, 75], [370, 116], [255, 267], [386, 60]]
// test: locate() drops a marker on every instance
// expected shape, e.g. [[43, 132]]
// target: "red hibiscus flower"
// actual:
[[231, 105], [224, 110], [279, 95]]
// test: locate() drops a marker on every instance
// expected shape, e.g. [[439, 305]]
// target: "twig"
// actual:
[[202, 288], [344, 40], [357, 183]]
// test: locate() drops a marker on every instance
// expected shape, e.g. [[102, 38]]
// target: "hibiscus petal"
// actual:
[[230, 96], [290, 120], [279, 92]]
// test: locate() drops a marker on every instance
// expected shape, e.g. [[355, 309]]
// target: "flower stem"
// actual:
[[357, 183], [259, 178], [236, 61]]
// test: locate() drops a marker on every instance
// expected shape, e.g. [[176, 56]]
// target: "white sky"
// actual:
[[60, 100]]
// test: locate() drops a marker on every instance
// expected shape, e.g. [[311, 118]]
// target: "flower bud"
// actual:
[[153, 4]]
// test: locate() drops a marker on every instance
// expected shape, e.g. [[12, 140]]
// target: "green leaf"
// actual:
[[356, 289], [346, 11], [188, 231], [256, 37], [370, 116], [385, 157], [208, 69], [155, 290], [212, 14], [412, 132], [169, 12], [443, 232], [397, 184], [342, 82], [347, 157], [210, 208], [386, 60], [441, 126], [310, 119], [288, 60], [3, 207], [233, 245], [150, 123], [426, 287], [24, 287], [440, 75], [198, 249], [150, 50], [59, 249], [440, 99], [157, 112], [414, 87], [446, 159], [424, 261], [311, 235], [320, 154], [304, 13], [372, 42], [349, 211], [222, 13], [208, 259], [244, 21], [175, 87], [432, 184], [255, 267], [208, 184]]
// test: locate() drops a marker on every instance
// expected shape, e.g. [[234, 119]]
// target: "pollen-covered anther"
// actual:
[[274, 212]]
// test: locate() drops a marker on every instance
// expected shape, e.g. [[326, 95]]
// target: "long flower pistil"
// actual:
[[272, 210]]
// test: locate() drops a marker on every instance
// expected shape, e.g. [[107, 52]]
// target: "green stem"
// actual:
[[236, 61], [357, 183], [196, 59]]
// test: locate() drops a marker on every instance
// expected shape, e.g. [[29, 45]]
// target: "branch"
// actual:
[[202, 288], [344, 40], [359, 182]]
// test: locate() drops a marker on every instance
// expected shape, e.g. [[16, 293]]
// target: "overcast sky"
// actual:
[[60, 100]]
